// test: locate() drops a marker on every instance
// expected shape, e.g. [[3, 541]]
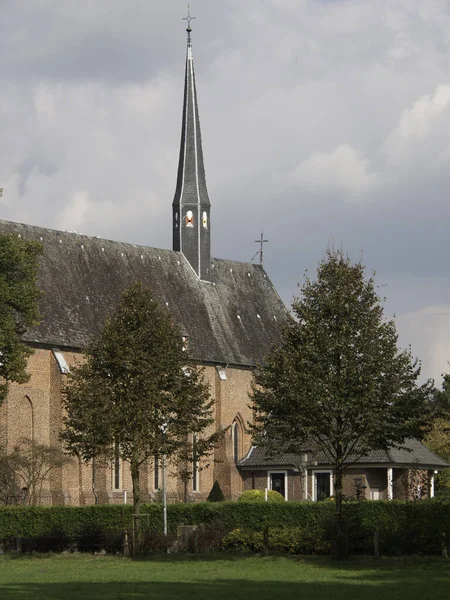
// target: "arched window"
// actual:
[[205, 220], [25, 421], [236, 436], [189, 219]]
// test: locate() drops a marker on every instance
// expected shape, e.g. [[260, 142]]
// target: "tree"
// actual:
[[438, 438], [136, 393], [24, 470], [33, 462], [338, 381], [19, 262], [9, 480], [216, 494]]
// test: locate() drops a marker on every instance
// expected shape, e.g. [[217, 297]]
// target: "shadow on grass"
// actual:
[[356, 580], [231, 589]]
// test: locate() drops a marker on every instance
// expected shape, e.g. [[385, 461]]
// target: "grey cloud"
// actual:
[[90, 104]]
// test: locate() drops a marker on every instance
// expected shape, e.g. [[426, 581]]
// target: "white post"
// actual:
[[432, 485], [266, 494], [390, 483], [125, 496], [164, 494], [306, 484]]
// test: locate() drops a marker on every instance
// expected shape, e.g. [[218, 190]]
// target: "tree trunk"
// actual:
[[340, 546], [134, 468]]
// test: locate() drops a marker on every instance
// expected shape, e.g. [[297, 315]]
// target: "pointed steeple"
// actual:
[[191, 205]]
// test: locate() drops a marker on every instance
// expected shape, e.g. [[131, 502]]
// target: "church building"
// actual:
[[230, 315], [229, 312]]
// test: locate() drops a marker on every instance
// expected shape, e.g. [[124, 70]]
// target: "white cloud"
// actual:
[[428, 116], [427, 330], [345, 170]]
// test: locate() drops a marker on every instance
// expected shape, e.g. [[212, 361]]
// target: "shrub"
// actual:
[[259, 496], [286, 541], [216, 494]]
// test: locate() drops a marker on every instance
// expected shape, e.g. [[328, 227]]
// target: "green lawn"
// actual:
[[84, 577]]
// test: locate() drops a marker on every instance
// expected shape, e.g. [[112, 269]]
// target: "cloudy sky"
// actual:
[[324, 122]]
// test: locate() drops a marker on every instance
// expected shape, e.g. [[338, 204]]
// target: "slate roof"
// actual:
[[191, 181], [416, 455], [234, 319]]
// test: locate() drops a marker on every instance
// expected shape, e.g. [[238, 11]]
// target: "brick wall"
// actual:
[[34, 410]]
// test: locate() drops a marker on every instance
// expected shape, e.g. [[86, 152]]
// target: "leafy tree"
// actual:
[[438, 438], [32, 463], [24, 470], [19, 262], [136, 391], [338, 381]]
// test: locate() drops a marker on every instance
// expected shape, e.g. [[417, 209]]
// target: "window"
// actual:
[[205, 220], [276, 480], [235, 434], [116, 468], [189, 219], [195, 482], [375, 493], [323, 485], [156, 473]]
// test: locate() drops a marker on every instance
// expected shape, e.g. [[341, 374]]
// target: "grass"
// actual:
[[87, 577]]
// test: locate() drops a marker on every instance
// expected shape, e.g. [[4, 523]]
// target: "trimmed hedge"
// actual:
[[404, 528]]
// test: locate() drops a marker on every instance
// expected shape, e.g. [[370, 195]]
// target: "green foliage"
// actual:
[[259, 496], [286, 541], [438, 438], [137, 392], [216, 494], [404, 527], [338, 382], [19, 262]]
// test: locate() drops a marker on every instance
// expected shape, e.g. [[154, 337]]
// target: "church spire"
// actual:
[[191, 206]]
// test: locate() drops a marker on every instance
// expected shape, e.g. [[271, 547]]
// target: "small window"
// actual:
[[323, 485], [116, 467], [277, 482], [189, 219], [205, 220], [195, 482], [374, 493], [156, 473]]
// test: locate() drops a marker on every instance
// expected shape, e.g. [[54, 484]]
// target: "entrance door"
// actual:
[[278, 483]]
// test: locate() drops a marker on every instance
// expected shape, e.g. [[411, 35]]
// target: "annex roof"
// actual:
[[234, 319], [413, 454]]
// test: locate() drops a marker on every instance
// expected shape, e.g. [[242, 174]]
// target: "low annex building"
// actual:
[[394, 474], [230, 315]]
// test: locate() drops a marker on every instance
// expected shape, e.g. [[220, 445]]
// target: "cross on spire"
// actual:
[[189, 19], [261, 241]]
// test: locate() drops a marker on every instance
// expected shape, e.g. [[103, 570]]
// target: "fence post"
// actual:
[[444, 545], [376, 543]]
